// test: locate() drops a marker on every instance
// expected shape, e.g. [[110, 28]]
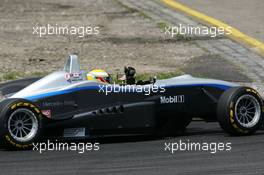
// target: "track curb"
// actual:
[[235, 33]]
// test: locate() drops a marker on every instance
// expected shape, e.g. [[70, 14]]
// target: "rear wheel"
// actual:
[[21, 124], [240, 111]]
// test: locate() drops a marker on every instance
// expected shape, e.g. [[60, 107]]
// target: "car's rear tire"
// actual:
[[21, 124], [240, 111]]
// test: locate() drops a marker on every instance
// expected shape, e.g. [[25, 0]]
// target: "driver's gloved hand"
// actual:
[[130, 75]]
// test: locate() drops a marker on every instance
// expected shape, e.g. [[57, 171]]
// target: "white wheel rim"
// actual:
[[23, 125], [247, 111]]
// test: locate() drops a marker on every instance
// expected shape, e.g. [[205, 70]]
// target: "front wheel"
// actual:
[[21, 124], [240, 111]]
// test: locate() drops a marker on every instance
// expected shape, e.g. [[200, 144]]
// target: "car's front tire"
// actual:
[[240, 111], [21, 124]]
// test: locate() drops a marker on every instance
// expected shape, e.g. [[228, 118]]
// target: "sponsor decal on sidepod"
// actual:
[[172, 99]]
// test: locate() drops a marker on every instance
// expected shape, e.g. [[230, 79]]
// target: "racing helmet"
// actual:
[[99, 75]]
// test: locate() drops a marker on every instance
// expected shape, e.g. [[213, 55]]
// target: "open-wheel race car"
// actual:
[[69, 104]]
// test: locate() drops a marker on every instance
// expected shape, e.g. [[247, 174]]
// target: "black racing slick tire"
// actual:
[[20, 124], [240, 111]]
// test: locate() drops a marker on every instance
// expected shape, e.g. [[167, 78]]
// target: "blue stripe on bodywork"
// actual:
[[62, 92], [219, 86]]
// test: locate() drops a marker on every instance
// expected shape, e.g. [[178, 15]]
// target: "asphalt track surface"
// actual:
[[139, 155]]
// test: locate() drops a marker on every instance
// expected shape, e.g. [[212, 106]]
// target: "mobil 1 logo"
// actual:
[[172, 99]]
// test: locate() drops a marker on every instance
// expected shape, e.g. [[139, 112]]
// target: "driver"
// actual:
[[99, 75]]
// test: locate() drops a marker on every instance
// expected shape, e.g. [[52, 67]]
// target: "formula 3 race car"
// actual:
[[65, 104]]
